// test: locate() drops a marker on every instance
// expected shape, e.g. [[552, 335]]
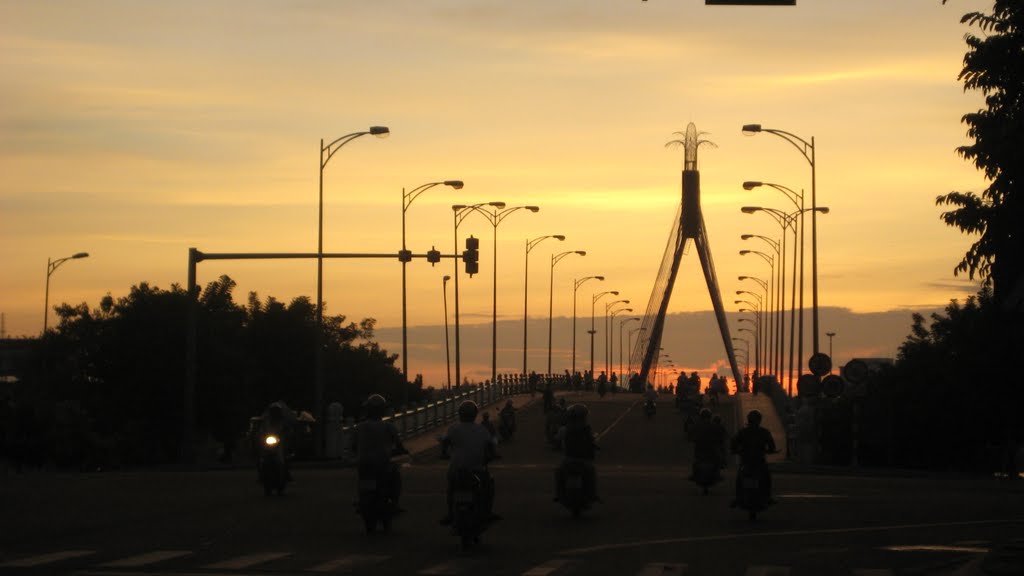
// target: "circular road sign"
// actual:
[[856, 371], [832, 385], [820, 364], [808, 385]]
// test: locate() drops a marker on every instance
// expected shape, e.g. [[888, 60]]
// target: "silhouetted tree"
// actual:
[[994, 65]]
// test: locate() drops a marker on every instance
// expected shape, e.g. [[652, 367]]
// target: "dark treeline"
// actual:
[[106, 386]]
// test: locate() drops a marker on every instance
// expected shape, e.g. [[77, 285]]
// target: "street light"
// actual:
[[329, 150], [779, 247], [555, 259], [621, 324], [593, 303], [51, 266], [761, 342], [526, 282], [576, 286], [447, 350], [495, 217], [807, 149], [830, 335], [460, 212], [607, 331], [771, 342], [407, 200]]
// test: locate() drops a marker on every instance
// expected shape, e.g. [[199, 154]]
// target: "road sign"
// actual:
[[832, 385], [808, 385], [856, 371], [820, 364]]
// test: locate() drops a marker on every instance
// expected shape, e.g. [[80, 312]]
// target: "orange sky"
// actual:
[[135, 131]]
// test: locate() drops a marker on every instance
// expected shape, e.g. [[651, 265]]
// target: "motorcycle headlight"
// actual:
[[270, 440]]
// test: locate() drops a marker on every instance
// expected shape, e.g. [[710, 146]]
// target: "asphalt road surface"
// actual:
[[652, 522]]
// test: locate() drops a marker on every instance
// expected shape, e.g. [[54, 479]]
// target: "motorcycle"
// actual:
[[377, 489], [507, 426], [272, 466], [706, 474], [753, 492], [471, 510], [650, 408], [577, 491]]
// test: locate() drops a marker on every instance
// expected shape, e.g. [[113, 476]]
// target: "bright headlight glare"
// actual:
[[270, 440]]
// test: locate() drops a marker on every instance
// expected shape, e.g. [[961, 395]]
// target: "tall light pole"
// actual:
[[757, 338], [576, 286], [760, 339], [779, 248], [495, 217], [593, 303], [607, 330], [51, 266], [326, 153], [461, 211], [807, 149], [447, 349], [530, 244], [830, 335], [772, 343], [405, 256], [622, 323], [555, 259], [797, 198]]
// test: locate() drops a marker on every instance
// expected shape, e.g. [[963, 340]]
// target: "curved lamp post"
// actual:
[[622, 323], [495, 217], [326, 153], [593, 303], [447, 350], [761, 342], [405, 256], [555, 259], [461, 211], [607, 332], [807, 149], [770, 360], [779, 323], [526, 282], [51, 266], [576, 286]]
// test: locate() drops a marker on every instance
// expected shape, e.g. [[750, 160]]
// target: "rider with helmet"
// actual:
[[470, 447], [708, 437], [578, 446], [752, 444], [375, 442]]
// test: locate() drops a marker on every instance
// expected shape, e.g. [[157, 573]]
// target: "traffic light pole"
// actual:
[[191, 352]]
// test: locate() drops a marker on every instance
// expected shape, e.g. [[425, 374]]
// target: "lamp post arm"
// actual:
[[803, 146], [336, 145]]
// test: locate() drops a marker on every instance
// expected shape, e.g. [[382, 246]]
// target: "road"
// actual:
[[652, 521]]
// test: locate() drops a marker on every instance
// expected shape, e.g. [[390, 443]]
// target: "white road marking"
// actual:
[[445, 568], [662, 569], [783, 533], [346, 563], [247, 561], [145, 559], [612, 425], [935, 548], [767, 571], [808, 495], [547, 567], [872, 572], [46, 558]]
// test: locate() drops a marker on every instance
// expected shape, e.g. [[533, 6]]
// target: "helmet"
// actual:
[[579, 413], [468, 411], [508, 404], [375, 405], [705, 414], [754, 417]]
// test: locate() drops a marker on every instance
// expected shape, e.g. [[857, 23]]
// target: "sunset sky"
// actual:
[[135, 130]]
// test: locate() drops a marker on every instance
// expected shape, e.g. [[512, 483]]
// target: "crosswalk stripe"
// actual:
[[346, 563], [547, 567], [46, 558], [662, 569], [767, 571], [144, 559], [872, 572], [247, 561]]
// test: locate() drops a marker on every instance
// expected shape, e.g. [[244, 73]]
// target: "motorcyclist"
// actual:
[[508, 417], [579, 446], [374, 443], [279, 421], [486, 422], [470, 447], [708, 437], [650, 395], [752, 444], [602, 384]]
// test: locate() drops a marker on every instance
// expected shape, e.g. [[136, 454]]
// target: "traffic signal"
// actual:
[[471, 255]]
